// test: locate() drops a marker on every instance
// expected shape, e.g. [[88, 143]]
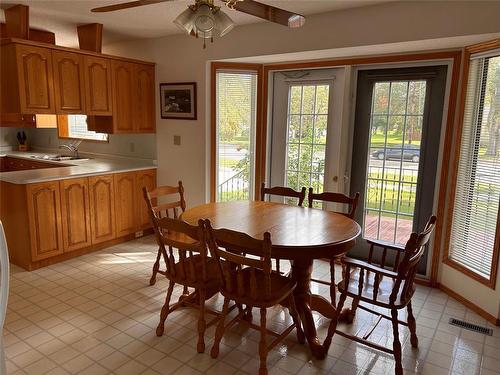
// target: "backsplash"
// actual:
[[141, 146]]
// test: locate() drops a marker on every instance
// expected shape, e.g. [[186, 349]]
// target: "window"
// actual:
[[474, 237], [236, 113], [76, 127], [307, 121]]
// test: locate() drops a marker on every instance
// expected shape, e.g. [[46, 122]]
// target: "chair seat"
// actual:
[[281, 288], [385, 288], [212, 268]]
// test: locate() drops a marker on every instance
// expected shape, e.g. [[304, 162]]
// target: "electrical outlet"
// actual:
[[177, 140], [132, 147]]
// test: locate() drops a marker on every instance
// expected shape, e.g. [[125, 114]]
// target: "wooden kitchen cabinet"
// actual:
[[144, 99], [69, 82], [98, 88], [75, 211], [125, 203], [102, 208], [27, 85], [45, 224], [146, 179], [123, 96]]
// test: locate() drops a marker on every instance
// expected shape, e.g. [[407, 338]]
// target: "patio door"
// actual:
[[304, 134], [395, 150]]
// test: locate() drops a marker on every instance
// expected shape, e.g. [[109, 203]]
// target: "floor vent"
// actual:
[[471, 327]]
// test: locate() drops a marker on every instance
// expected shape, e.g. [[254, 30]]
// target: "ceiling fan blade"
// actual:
[[130, 4], [268, 12]]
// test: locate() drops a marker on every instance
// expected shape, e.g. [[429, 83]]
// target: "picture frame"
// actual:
[[178, 100]]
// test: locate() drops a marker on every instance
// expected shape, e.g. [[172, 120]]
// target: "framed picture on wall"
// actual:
[[178, 100]]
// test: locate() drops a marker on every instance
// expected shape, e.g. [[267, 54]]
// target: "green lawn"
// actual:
[[378, 140]]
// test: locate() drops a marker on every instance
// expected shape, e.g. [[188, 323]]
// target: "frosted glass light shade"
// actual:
[[224, 23], [185, 20]]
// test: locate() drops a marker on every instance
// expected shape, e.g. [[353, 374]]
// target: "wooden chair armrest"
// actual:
[[387, 245], [367, 266]]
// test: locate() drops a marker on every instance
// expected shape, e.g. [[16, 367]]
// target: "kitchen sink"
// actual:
[[58, 157]]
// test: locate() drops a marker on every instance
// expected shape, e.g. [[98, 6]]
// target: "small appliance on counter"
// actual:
[[21, 138]]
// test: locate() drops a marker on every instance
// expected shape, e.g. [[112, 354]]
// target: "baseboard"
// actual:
[[478, 310]]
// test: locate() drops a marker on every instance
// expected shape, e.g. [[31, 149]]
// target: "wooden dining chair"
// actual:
[[250, 281], [283, 192], [163, 202], [376, 285], [352, 204], [190, 266]]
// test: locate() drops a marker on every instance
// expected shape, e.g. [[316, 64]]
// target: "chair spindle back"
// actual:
[[283, 192], [231, 250], [352, 202]]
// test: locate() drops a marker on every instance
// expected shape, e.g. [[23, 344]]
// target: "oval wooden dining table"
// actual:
[[298, 234]]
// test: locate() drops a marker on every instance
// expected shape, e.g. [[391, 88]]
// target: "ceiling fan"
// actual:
[[206, 20]]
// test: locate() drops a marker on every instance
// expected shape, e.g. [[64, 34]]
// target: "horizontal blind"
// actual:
[[476, 201]]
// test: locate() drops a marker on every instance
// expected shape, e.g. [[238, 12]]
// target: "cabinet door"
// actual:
[[69, 82], [144, 179], [102, 208], [123, 88], [144, 101], [125, 203], [36, 83], [75, 210], [44, 212], [98, 94]]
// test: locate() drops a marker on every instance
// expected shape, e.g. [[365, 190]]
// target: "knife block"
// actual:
[[23, 147]]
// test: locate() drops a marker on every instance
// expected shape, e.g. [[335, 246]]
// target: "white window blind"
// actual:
[[474, 234]]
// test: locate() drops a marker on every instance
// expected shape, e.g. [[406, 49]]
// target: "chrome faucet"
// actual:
[[73, 147]]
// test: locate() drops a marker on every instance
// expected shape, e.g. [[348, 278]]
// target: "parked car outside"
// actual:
[[409, 152]]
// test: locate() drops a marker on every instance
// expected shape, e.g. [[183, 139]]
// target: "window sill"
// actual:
[[490, 283]]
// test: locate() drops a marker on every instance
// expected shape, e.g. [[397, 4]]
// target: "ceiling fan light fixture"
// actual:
[[185, 20], [296, 21], [224, 23], [204, 19]]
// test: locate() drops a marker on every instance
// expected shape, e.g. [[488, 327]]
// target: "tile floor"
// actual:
[[96, 314]]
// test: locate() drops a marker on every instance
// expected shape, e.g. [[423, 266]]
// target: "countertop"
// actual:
[[71, 168]]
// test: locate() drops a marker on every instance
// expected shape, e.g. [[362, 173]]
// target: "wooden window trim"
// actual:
[[258, 68], [491, 282]]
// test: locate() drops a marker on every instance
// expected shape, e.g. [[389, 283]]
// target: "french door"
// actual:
[[395, 150], [303, 150]]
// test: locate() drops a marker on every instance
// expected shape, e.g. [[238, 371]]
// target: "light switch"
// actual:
[[177, 140]]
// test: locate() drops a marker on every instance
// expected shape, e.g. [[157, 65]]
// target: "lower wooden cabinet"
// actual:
[[144, 179], [102, 208], [75, 209], [45, 223], [74, 214]]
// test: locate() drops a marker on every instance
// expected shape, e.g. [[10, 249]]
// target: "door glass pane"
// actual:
[[393, 161], [307, 119], [236, 122]]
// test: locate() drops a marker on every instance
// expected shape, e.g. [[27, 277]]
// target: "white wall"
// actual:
[[368, 30]]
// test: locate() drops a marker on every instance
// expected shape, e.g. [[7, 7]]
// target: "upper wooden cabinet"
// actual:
[[123, 96], [27, 84], [45, 225], [144, 101], [69, 82], [98, 86], [119, 93]]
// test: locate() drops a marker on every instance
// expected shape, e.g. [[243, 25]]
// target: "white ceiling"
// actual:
[[62, 16]]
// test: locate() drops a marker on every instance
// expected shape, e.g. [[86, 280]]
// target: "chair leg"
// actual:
[[334, 322], [156, 267], [201, 322], [396, 344], [185, 290], [263, 343], [296, 319], [219, 332], [165, 310], [352, 313], [412, 326], [333, 288]]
